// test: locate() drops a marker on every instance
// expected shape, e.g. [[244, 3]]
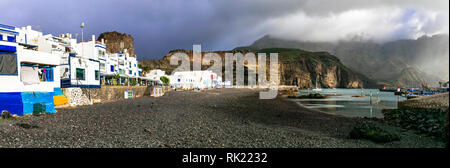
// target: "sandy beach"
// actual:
[[218, 118]]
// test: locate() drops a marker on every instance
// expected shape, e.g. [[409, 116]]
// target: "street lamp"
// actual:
[[82, 26]]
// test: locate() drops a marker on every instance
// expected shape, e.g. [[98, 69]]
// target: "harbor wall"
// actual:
[[433, 101]]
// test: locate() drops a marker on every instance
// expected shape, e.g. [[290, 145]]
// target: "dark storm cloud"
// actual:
[[162, 25]]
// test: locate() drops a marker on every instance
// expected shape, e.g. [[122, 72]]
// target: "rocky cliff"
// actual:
[[296, 67], [389, 62], [113, 40]]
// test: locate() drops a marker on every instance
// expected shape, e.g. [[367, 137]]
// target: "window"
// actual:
[[1, 37], [102, 66], [11, 38], [97, 75], [80, 74], [8, 64], [101, 53], [112, 68]]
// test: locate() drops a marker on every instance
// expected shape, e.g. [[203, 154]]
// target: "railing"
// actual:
[[7, 27]]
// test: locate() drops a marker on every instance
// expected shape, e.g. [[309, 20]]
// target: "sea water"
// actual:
[[352, 102]]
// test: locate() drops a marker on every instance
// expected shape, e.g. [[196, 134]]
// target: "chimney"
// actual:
[[93, 38], [103, 41]]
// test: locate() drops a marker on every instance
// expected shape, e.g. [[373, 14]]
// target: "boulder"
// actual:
[[370, 131], [6, 114]]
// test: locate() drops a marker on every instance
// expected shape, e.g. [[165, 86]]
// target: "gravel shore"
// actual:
[[214, 118]]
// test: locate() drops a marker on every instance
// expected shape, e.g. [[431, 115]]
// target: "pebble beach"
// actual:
[[217, 118]]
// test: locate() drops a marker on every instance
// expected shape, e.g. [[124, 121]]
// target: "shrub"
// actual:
[[431, 122], [370, 131], [446, 129], [165, 80]]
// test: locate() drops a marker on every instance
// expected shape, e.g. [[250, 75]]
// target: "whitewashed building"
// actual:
[[155, 76], [195, 80], [83, 65], [124, 65], [34, 67], [28, 71]]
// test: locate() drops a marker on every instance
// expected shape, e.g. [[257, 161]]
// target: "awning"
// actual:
[[29, 75]]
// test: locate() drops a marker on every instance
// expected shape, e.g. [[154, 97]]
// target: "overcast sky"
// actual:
[[159, 26]]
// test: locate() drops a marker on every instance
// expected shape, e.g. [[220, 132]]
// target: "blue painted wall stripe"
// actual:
[[12, 102], [30, 98]]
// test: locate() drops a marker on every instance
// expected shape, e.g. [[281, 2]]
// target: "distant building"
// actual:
[[122, 64], [155, 76], [195, 80]]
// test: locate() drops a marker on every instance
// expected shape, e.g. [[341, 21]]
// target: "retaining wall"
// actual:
[[88, 96], [113, 93]]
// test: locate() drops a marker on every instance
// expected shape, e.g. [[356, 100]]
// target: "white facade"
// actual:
[[195, 80], [155, 75], [35, 56], [30, 73], [81, 64], [121, 63]]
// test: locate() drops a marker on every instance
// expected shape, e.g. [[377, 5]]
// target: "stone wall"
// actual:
[[113, 93], [89, 96], [76, 97]]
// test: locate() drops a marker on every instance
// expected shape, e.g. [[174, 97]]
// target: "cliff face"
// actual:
[[113, 40], [382, 62], [308, 69], [296, 67]]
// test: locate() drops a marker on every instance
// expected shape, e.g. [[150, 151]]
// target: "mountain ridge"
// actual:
[[296, 67], [379, 61]]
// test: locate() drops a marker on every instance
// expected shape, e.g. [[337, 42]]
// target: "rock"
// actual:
[[113, 40], [6, 114], [77, 98], [309, 96], [370, 131]]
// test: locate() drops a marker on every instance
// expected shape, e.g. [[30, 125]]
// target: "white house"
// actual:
[[28, 72], [195, 80], [84, 65], [124, 65], [155, 76]]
